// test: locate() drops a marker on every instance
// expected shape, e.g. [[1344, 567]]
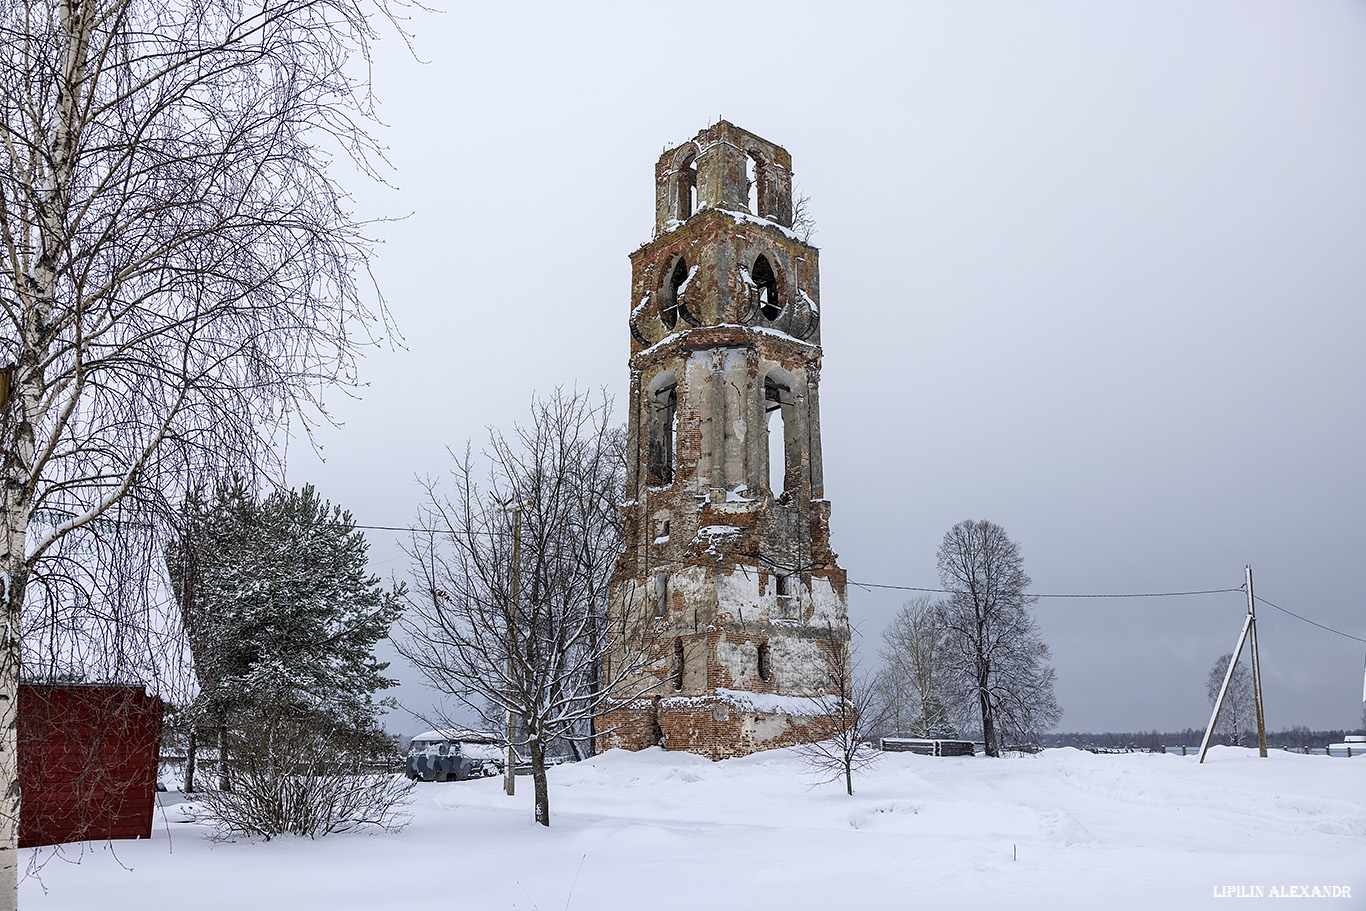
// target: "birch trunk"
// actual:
[[177, 269], [38, 290]]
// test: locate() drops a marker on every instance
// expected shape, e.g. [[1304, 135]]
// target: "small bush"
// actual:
[[292, 779]]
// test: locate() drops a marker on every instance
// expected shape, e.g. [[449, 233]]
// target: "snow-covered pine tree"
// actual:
[[283, 617]]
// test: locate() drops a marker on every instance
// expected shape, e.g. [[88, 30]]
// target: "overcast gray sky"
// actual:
[[1093, 271]]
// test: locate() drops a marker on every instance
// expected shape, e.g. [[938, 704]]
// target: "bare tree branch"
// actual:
[[529, 641], [178, 271], [844, 717], [994, 656]]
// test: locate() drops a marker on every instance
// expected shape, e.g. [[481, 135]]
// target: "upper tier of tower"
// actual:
[[723, 167], [724, 252]]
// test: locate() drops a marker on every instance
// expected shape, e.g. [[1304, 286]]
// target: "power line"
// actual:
[[943, 591], [1307, 620], [881, 585]]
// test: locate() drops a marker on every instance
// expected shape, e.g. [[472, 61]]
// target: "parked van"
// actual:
[[454, 755]]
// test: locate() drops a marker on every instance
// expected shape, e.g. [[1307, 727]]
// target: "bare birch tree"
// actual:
[[525, 635], [1236, 716], [995, 656], [178, 272], [914, 646], [896, 702]]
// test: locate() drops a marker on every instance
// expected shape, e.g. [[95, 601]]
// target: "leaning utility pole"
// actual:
[[1249, 624], [1256, 667]]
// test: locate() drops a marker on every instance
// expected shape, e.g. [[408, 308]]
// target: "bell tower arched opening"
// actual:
[[671, 302], [662, 417], [780, 426], [685, 188], [766, 283]]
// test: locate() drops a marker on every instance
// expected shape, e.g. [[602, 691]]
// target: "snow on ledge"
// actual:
[[761, 703]]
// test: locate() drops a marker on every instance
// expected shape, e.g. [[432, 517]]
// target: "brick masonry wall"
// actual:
[[708, 727], [707, 359]]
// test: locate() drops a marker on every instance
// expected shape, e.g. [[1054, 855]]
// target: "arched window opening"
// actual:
[[766, 285], [661, 594], [754, 174], [662, 421], [777, 399], [764, 669], [679, 661], [672, 299], [686, 188]]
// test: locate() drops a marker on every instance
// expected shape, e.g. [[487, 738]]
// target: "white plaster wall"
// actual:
[[698, 593], [740, 660], [765, 727], [799, 665], [829, 605], [737, 595]]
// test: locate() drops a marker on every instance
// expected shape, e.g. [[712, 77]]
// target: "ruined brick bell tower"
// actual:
[[727, 577]]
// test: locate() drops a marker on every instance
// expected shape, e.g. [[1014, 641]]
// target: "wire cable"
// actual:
[[867, 585], [943, 591], [1307, 620]]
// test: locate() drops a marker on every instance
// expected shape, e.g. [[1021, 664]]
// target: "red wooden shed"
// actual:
[[104, 649], [87, 762]]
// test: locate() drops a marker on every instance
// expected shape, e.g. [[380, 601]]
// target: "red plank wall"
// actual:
[[87, 762]]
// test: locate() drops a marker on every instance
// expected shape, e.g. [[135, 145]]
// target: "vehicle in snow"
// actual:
[[454, 755]]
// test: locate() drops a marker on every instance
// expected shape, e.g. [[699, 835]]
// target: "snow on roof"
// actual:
[[98, 609], [489, 752]]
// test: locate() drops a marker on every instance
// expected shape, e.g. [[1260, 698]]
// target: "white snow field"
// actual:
[[657, 830]]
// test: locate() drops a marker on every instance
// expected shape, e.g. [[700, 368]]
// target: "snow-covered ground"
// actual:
[[659, 830]]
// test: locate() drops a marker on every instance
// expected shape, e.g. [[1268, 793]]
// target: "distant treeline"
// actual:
[[1295, 737]]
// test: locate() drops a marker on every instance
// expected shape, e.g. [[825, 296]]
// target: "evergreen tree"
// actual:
[[282, 614]]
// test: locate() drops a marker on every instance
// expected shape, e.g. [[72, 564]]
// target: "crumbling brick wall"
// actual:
[[727, 553]]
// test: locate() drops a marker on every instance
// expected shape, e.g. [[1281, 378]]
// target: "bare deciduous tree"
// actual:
[[845, 717], [994, 654], [525, 636], [896, 703], [913, 653], [1237, 716], [803, 221], [178, 272]]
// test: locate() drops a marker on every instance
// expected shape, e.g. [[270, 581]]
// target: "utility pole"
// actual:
[[1256, 667], [1249, 625], [510, 778]]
